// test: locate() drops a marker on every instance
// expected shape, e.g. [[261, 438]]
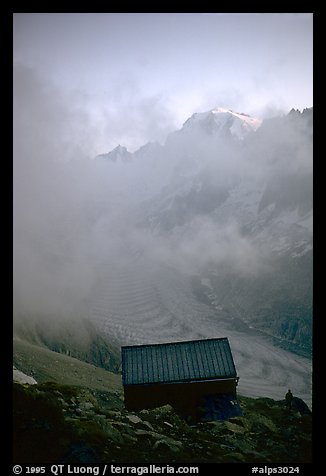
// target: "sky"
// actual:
[[139, 76]]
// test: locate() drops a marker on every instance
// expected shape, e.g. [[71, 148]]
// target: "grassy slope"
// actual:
[[46, 365]]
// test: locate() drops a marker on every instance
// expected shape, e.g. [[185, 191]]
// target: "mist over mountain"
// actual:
[[234, 212], [209, 234]]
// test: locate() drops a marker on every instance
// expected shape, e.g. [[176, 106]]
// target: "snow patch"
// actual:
[[20, 377]]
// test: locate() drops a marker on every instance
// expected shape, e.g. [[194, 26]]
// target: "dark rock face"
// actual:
[[64, 424]]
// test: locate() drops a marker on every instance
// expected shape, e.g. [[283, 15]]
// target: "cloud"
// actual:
[[70, 212], [205, 243], [75, 216], [130, 117], [50, 224]]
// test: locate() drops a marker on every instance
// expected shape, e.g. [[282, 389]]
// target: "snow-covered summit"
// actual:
[[223, 121], [218, 123]]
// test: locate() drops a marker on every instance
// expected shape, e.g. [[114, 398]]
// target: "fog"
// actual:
[[51, 223], [73, 212], [69, 211]]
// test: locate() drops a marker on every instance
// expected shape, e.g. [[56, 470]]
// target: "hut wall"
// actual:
[[183, 395]]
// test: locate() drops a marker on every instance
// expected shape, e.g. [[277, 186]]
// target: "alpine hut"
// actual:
[[198, 378]]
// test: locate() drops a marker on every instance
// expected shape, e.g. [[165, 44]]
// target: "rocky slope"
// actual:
[[75, 414], [68, 424]]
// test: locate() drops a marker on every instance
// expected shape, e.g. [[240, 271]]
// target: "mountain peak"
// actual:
[[119, 153], [222, 121]]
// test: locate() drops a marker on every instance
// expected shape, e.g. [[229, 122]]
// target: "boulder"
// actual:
[[146, 424], [168, 443], [234, 458], [151, 434], [259, 423], [164, 411], [86, 406], [234, 428], [134, 419]]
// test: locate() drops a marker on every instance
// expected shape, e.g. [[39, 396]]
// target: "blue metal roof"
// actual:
[[177, 362]]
